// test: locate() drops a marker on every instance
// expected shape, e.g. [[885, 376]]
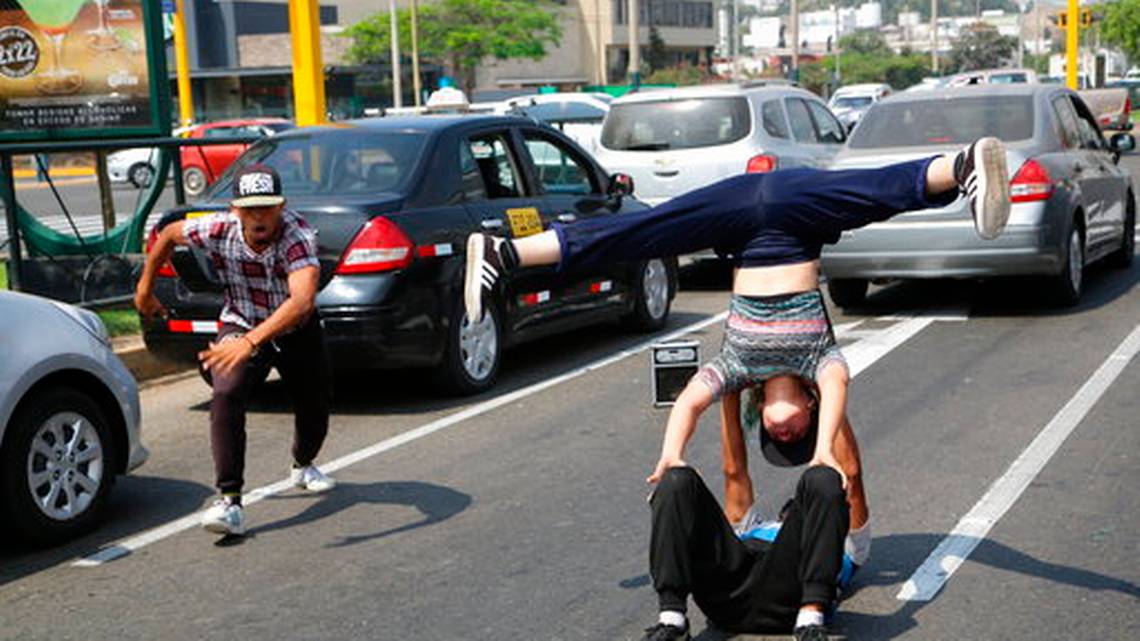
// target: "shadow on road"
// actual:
[[137, 503], [435, 502], [907, 552]]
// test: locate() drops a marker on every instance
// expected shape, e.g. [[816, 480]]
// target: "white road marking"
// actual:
[[976, 524], [860, 355]]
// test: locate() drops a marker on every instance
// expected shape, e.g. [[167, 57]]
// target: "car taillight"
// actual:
[[1031, 182], [166, 269], [380, 246], [761, 164]]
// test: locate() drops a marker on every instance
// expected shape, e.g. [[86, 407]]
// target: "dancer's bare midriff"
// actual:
[[776, 279]]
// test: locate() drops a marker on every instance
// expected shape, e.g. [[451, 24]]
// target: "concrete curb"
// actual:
[[145, 366]]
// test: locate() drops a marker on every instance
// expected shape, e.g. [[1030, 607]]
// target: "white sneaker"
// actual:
[[224, 517], [311, 479], [981, 171]]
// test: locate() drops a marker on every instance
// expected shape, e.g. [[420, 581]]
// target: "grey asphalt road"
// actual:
[[524, 516], [529, 520]]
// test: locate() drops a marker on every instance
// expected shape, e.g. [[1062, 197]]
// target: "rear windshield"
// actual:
[[334, 162], [676, 124], [851, 102], [918, 123], [1008, 78]]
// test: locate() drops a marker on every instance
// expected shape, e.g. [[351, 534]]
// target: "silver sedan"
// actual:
[[1072, 203], [69, 418]]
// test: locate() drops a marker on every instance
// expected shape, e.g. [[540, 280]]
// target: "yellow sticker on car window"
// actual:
[[524, 221]]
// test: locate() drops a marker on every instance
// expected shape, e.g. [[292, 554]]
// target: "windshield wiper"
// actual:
[[648, 146]]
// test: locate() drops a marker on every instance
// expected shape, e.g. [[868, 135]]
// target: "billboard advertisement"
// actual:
[[77, 69]]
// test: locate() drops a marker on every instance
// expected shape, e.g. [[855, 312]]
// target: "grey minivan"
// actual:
[[676, 140], [1072, 203]]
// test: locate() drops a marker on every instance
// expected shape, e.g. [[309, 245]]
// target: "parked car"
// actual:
[[1072, 203], [578, 115], [393, 200], [1111, 106], [202, 165], [69, 419], [675, 140], [851, 102], [993, 77], [136, 165]]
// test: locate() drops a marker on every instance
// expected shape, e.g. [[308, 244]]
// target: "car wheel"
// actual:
[[847, 292], [194, 181], [1122, 257], [57, 466], [651, 299], [1065, 288], [474, 350], [140, 174]]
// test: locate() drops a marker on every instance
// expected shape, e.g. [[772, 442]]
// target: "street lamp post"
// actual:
[[417, 89], [634, 46], [397, 89], [934, 35]]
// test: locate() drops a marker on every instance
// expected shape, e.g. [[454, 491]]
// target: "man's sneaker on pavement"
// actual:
[[312, 479], [224, 517], [981, 172], [810, 633], [487, 260], [666, 632]]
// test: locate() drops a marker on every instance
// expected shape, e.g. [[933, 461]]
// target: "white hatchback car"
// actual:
[[69, 419], [676, 140]]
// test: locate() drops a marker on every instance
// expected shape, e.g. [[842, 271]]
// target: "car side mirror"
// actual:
[[1122, 142], [621, 185]]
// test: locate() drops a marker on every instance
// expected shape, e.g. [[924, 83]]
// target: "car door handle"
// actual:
[[666, 173], [567, 218], [492, 223]]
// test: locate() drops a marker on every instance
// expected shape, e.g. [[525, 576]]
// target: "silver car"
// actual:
[[69, 418], [676, 140], [1072, 203]]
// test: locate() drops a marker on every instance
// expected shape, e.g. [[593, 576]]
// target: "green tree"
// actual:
[[462, 33], [868, 42], [1121, 27], [657, 58], [980, 46]]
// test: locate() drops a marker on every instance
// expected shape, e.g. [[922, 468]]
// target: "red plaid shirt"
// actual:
[[256, 284]]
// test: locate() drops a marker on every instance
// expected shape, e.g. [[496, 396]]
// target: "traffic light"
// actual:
[[1086, 19]]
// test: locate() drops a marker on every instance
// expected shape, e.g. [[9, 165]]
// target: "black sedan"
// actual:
[[393, 200]]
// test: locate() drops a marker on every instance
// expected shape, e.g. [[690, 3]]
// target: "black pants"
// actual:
[[301, 359], [746, 586]]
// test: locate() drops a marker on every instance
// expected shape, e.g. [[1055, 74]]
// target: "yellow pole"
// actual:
[[1072, 44], [308, 67], [182, 64]]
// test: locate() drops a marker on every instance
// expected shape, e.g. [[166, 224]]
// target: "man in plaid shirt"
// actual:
[[266, 257]]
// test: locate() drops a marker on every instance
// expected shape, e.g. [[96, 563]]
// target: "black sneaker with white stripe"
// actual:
[[486, 263], [980, 171]]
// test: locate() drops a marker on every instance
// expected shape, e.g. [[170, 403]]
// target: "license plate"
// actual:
[[524, 221]]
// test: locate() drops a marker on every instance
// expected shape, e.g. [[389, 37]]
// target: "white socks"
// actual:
[[673, 618], [808, 617], [857, 545]]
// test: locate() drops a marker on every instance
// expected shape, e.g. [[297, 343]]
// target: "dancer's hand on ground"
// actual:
[[149, 306], [663, 465], [828, 459], [221, 358]]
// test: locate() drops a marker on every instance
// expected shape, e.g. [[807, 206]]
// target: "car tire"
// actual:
[[1122, 258], [1065, 288], [473, 352], [847, 292], [194, 181], [651, 297], [140, 175], [48, 440]]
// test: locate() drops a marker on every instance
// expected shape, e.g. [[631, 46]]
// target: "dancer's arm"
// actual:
[[738, 496], [832, 410], [694, 399]]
